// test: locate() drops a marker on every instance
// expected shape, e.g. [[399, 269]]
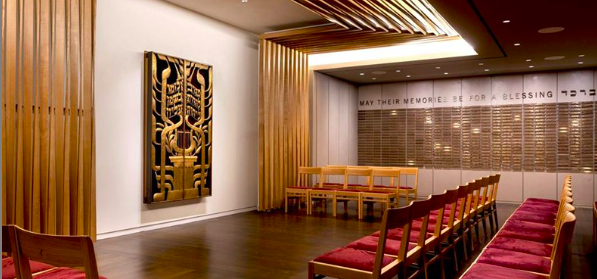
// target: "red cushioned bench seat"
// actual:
[[489, 271], [521, 245], [8, 267], [352, 258], [515, 260]]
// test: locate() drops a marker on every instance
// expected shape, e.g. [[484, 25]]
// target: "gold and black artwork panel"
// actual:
[[178, 128]]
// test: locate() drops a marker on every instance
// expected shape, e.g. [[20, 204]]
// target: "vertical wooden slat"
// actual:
[[44, 91], [36, 160], [87, 67], [9, 17], [20, 188]]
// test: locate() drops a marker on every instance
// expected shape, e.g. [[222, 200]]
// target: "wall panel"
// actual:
[[529, 127]]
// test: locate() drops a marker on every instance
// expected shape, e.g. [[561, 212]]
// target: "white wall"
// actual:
[[334, 121], [127, 28]]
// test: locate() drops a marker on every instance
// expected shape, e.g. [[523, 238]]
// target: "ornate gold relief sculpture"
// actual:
[[178, 128]]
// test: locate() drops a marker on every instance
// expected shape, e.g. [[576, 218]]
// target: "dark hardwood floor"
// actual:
[[271, 245]]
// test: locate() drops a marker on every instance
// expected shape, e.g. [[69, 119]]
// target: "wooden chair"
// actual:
[[350, 263], [432, 248], [11, 264], [345, 195], [325, 193], [302, 187], [595, 225], [472, 210], [460, 225], [420, 210], [493, 200], [479, 216], [446, 237], [407, 191], [487, 205], [387, 198], [63, 251]]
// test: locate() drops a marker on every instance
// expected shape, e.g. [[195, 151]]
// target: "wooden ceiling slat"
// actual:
[[358, 24]]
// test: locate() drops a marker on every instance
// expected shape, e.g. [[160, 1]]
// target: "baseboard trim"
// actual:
[[173, 222]]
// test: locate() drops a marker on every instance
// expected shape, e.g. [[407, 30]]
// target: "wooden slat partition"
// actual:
[[47, 132], [283, 120]]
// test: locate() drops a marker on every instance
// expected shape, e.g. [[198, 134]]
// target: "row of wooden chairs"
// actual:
[[414, 237], [367, 193], [531, 243], [42, 256]]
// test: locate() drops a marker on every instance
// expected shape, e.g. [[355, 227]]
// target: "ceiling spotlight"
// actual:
[[362, 74], [397, 71], [379, 72], [551, 58], [550, 30], [438, 68], [506, 21], [580, 62], [581, 56], [517, 44], [531, 66], [244, 1], [529, 60], [407, 75], [487, 70], [445, 73], [373, 78], [480, 64]]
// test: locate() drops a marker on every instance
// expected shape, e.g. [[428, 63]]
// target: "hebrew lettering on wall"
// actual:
[[178, 129]]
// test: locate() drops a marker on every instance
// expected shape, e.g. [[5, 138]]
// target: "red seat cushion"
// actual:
[[528, 226], [396, 234], [352, 258], [533, 218], [515, 260], [369, 243], [541, 201], [527, 235], [538, 208], [489, 271], [521, 245], [64, 273], [299, 187], [545, 214], [406, 187], [416, 226], [8, 267]]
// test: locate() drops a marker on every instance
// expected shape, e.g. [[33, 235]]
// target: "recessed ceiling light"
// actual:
[[506, 21], [531, 66], [487, 70], [517, 44], [244, 1], [549, 30], [445, 73], [480, 64], [373, 78], [397, 71], [581, 56], [379, 72], [407, 75], [580, 62], [362, 74], [529, 60], [557, 57], [438, 68]]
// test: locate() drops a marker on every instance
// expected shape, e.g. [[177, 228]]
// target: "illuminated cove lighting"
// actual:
[[400, 53]]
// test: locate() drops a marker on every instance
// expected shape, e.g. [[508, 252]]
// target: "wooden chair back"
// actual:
[[336, 166], [410, 171], [484, 190], [562, 239], [63, 251], [451, 199], [463, 193], [393, 218], [420, 210], [305, 174], [438, 202], [392, 173], [359, 172], [473, 196], [326, 172], [496, 183]]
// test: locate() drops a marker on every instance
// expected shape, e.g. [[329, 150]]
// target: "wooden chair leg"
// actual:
[[311, 271], [286, 203], [484, 220], [491, 226], [309, 205], [335, 207]]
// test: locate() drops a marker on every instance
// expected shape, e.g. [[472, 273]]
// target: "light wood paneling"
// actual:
[[283, 120], [47, 115]]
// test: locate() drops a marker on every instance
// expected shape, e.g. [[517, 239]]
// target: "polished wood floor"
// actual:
[[270, 245]]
